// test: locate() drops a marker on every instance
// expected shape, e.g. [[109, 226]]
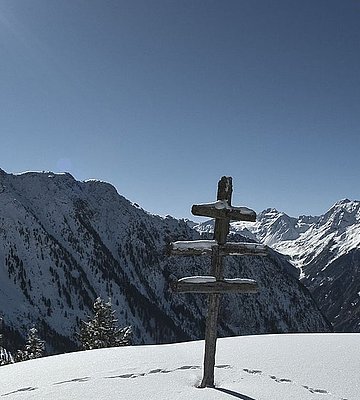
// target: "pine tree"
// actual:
[[101, 331], [34, 347]]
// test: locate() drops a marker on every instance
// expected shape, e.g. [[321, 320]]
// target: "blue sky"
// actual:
[[163, 97]]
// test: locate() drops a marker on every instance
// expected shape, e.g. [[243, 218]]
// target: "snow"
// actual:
[[207, 279], [198, 279], [194, 245], [240, 280], [221, 204], [269, 367]]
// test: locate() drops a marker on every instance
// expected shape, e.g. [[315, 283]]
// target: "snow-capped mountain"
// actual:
[[327, 251], [271, 227], [65, 242]]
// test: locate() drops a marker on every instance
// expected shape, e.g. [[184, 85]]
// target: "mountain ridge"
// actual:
[[65, 242]]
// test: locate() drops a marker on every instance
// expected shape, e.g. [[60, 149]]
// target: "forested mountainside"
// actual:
[[65, 242], [325, 248]]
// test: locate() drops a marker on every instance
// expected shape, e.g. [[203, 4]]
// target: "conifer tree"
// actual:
[[34, 347], [101, 331]]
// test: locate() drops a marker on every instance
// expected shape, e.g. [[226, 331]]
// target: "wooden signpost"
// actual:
[[215, 284]]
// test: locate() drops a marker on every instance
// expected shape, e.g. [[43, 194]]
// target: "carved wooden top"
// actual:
[[223, 211]]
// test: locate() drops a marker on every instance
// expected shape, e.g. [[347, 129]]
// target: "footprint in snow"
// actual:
[[160, 371], [223, 366], [312, 390], [25, 389], [280, 380], [155, 371], [187, 367], [122, 376], [285, 380], [85, 379], [252, 371]]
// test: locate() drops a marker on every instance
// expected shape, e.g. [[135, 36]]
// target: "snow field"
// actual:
[[268, 367]]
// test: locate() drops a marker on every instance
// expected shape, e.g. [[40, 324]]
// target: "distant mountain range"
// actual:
[[65, 242], [326, 249]]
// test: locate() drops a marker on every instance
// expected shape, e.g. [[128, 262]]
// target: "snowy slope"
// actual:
[[281, 367], [65, 242], [336, 232]]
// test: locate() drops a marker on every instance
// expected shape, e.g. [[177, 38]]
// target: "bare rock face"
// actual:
[[64, 242]]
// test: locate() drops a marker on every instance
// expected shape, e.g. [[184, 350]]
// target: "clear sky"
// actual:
[[163, 97]]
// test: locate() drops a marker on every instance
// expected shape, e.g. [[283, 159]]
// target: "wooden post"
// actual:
[[220, 234], [211, 324], [215, 284]]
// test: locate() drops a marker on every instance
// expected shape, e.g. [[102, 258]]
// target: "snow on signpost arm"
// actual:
[[243, 249], [209, 284], [192, 247], [222, 210]]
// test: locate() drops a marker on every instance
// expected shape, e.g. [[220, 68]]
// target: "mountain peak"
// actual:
[[345, 205], [344, 202], [269, 213], [47, 174]]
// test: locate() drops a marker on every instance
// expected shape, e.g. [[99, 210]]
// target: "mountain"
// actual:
[[262, 367], [65, 242], [326, 249], [271, 227]]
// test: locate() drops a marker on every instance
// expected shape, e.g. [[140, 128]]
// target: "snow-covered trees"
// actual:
[[98, 332], [34, 347], [5, 356], [101, 331]]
